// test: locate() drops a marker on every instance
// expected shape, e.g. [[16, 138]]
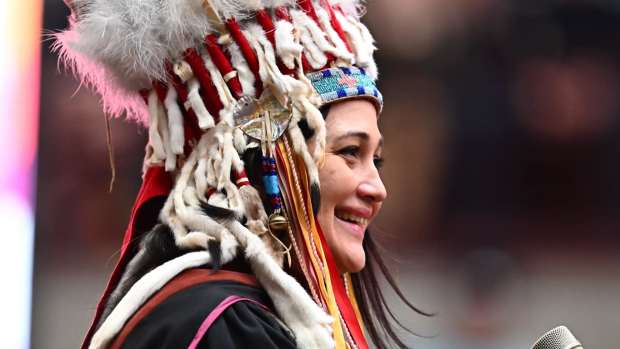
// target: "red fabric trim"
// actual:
[[263, 18], [144, 93], [344, 304], [161, 89], [177, 83], [247, 51], [181, 282], [282, 13], [207, 89], [222, 63], [156, 183]]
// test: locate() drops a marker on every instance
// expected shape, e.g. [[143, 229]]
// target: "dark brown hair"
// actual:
[[378, 316]]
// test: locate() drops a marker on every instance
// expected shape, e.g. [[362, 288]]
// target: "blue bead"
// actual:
[[341, 93], [271, 185]]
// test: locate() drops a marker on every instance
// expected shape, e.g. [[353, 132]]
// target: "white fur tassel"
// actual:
[[205, 120], [223, 92], [239, 140], [162, 125], [175, 121], [316, 58], [371, 65], [286, 46], [357, 38], [154, 137], [318, 35], [284, 86], [340, 48], [309, 323], [246, 77], [141, 291], [300, 147], [316, 122]]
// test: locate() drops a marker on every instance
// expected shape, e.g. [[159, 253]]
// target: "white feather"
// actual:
[[122, 45]]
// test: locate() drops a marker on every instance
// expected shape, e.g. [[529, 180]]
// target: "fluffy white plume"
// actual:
[[120, 46], [232, 8]]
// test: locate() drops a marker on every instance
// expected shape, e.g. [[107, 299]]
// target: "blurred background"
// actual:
[[502, 128]]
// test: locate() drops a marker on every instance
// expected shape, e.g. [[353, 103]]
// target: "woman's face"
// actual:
[[351, 189]]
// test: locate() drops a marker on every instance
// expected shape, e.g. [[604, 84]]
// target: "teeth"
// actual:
[[352, 218]]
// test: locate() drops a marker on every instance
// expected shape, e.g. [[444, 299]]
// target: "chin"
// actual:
[[350, 258], [355, 265]]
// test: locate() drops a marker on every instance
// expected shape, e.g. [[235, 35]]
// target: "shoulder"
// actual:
[[240, 314]]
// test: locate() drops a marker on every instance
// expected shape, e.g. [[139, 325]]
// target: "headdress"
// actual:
[[214, 81]]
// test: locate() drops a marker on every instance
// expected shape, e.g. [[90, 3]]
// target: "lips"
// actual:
[[354, 220], [351, 218]]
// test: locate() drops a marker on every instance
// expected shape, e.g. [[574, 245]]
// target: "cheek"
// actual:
[[337, 180]]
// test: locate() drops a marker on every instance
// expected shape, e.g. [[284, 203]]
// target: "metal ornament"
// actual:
[[249, 112], [278, 223]]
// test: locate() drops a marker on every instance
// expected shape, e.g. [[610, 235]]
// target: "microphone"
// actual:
[[558, 338]]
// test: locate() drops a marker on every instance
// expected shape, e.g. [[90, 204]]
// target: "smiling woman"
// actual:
[[250, 229], [351, 189]]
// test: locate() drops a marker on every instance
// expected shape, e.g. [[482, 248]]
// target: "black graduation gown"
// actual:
[[174, 322]]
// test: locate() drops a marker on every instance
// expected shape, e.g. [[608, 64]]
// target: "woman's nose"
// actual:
[[371, 187]]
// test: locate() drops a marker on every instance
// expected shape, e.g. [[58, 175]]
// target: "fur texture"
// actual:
[[309, 323], [156, 247], [140, 293]]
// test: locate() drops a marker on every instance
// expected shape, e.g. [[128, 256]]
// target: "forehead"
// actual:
[[356, 115]]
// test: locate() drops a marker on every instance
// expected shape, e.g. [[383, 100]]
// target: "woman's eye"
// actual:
[[378, 162], [352, 150]]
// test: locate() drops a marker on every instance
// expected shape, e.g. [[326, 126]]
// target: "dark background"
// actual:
[[502, 138]]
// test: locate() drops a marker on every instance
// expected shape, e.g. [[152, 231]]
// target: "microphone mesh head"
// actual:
[[558, 338]]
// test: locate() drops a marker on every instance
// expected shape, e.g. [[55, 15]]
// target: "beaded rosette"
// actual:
[[214, 80]]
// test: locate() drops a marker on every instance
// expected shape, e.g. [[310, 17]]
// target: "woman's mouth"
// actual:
[[356, 224]]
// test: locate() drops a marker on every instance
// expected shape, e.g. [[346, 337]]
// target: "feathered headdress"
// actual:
[[214, 80]]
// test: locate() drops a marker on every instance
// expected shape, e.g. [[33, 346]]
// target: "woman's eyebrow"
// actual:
[[358, 134]]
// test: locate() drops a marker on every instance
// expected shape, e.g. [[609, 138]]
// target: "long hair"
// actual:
[[378, 316]]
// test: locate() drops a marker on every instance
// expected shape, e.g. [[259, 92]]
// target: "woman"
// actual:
[[250, 229]]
